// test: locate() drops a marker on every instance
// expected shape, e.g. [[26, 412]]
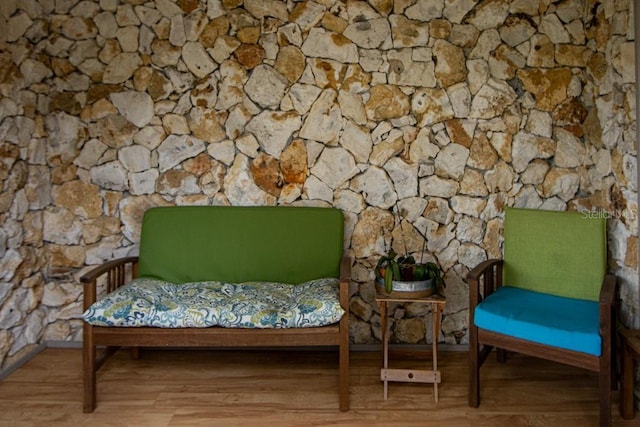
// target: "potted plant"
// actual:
[[402, 273]]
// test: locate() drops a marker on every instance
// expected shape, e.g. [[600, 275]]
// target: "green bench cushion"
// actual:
[[183, 244]]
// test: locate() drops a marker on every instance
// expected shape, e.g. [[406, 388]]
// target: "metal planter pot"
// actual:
[[415, 289]]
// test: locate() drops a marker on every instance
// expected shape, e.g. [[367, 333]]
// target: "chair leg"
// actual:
[[605, 399], [474, 368], [605, 384], [627, 408]]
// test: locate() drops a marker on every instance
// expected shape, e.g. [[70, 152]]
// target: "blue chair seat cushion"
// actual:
[[567, 323]]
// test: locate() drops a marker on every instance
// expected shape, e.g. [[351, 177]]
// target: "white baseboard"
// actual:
[[64, 344]]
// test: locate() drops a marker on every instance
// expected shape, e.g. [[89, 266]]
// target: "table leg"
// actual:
[[410, 375], [435, 320], [385, 344]]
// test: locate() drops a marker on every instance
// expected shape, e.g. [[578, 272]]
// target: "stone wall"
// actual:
[[415, 117]]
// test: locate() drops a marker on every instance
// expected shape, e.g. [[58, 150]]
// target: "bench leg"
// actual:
[[343, 370], [89, 368], [344, 379]]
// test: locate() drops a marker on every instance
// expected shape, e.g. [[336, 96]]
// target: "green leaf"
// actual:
[[388, 279], [420, 272], [396, 270]]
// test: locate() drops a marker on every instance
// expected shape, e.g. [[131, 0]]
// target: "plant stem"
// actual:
[[404, 241], [424, 248], [399, 217]]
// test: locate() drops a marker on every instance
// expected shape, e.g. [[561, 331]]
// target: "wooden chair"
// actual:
[[549, 297]]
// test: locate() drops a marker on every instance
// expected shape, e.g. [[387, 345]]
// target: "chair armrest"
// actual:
[[608, 290], [487, 274], [481, 269], [116, 272], [345, 280], [607, 303]]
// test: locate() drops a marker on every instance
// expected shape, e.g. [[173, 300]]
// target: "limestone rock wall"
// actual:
[[415, 117]]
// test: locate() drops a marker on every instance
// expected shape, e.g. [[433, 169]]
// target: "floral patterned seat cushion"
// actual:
[[155, 303]]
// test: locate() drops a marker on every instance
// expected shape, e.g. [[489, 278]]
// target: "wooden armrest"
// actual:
[[482, 268], [608, 290], [491, 271], [116, 277], [607, 302], [345, 269], [345, 280], [93, 274]]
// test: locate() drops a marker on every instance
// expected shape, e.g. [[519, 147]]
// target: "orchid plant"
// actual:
[[394, 267]]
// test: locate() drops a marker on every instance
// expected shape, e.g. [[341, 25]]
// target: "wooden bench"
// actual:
[[232, 244]]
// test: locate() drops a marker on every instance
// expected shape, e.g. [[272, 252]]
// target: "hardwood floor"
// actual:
[[293, 388]]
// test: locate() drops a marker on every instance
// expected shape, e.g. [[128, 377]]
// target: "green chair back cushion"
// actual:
[[558, 253], [182, 244]]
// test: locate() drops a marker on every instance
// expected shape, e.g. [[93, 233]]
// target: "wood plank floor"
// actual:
[[293, 388]]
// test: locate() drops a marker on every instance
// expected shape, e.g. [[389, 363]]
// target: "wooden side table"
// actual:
[[387, 374], [630, 351]]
